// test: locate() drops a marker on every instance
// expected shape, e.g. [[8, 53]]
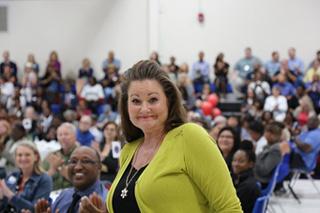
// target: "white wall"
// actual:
[[76, 29], [232, 25], [134, 28]]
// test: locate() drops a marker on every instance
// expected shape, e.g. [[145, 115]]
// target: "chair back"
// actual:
[[261, 204], [272, 182], [313, 165]]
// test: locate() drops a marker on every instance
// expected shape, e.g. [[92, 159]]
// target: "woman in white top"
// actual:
[[260, 86], [93, 94], [277, 104], [29, 82]]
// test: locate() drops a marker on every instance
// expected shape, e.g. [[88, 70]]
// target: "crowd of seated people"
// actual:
[[281, 98]]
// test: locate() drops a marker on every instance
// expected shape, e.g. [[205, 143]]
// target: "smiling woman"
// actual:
[[228, 143], [22, 189], [167, 164]]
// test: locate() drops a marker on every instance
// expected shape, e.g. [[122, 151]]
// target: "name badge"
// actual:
[[12, 180]]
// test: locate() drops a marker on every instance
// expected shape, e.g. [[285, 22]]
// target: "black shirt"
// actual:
[[129, 203], [247, 189]]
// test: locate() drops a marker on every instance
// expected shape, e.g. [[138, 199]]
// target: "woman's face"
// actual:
[[110, 132], [250, 93], [31, 58], [240, 162], [267, 116], [25, 158], [53, 57], [184, 67], [275, 92], [147, 106], [206, 90], [226, 141], [86, 63], [3, 128]]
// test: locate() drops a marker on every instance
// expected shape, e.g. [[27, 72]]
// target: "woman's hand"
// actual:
[[93, 204], [5, 190]]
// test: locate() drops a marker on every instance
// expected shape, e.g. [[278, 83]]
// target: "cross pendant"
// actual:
[[124, 193]]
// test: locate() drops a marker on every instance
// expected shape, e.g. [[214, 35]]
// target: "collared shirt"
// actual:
[[272, 67], [312, 138], [245, 66], [85, 138], [308, 77], [314, 94], [262, 142], [296, 62], [58, 180], [37, 187], [114, 61], [204, 68], [286, 88], [65, 198]]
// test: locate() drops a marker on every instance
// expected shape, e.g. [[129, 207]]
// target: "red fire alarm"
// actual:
[[201, 17]]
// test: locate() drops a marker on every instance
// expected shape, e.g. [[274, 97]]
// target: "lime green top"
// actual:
[[187, 174]]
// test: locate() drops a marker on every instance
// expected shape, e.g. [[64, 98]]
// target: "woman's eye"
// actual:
[[135, 101], [153, 100]]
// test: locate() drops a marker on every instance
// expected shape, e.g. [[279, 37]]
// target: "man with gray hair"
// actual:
[[56, 163]]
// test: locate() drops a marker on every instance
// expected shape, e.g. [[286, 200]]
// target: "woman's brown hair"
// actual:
[[150, 70]]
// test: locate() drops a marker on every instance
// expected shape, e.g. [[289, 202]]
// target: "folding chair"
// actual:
[[272, 182], [261, 204], [306, 171]]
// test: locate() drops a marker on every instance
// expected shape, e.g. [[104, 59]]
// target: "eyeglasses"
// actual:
[[84, 162], [226, 136]]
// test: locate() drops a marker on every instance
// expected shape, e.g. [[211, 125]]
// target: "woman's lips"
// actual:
[[145, 117]]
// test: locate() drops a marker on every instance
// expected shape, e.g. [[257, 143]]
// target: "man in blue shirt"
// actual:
[[307, 145], [287, 89], [296, 64], [84, 136], [111, 60], [84, 167], [200, 71], [273, 65], [241, 70], [313, 90]]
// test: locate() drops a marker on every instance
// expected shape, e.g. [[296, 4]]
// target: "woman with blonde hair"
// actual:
[[187, 90], [5, 131], [22, 189]]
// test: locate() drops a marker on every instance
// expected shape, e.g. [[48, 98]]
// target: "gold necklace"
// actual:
[[124, 191]]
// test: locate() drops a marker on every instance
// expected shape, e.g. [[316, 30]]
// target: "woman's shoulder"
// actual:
[[42, 177], [190, 132], [188, 129]]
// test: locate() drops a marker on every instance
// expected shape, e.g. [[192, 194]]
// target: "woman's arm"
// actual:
[[207, 169], [266, 165], [42, 190]]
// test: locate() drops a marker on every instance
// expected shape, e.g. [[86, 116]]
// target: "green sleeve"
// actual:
[[207, 168]]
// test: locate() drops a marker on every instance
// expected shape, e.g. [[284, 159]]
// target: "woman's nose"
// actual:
[[144, 106]]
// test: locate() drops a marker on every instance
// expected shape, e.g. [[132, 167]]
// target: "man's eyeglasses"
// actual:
[[85, 162]]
